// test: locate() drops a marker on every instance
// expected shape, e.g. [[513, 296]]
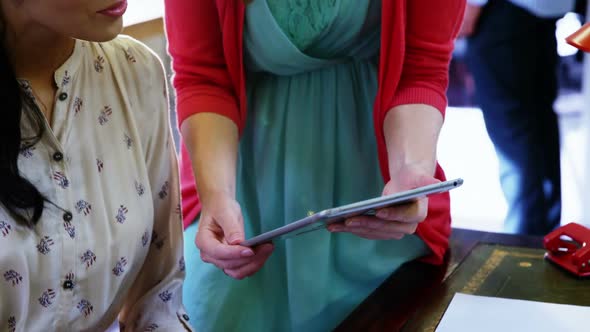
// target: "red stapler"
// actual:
[[569, 247]]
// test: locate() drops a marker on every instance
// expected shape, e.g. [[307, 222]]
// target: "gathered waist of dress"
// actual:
[[314, 65]]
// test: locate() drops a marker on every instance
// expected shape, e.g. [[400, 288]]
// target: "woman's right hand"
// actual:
[[221, 230]]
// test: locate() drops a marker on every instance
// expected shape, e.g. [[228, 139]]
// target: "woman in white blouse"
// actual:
[[90, 227]]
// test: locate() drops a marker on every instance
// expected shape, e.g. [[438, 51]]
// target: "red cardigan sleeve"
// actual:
[[195, 43], [416, 47], [431, 28], [417, 41]]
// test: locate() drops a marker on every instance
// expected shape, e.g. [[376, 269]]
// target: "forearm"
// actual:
[[212, 142], [411, 135]]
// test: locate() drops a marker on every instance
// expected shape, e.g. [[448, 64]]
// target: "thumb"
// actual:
[[232, 224]]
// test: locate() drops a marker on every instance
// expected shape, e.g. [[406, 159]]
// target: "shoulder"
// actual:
[[137, 73], [133, 51], [132, 61]]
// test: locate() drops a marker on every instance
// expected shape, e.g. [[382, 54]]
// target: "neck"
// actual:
[[37, 53]]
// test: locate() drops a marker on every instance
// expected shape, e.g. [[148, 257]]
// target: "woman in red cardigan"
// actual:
[[292, 106]]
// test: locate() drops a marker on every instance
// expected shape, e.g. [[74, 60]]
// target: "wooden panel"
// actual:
[[505, 272], [416, 286], [139, 11], [146, 30]]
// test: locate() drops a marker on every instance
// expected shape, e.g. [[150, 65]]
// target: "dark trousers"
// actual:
[[513, 59]]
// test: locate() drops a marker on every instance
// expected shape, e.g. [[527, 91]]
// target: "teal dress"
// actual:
[[309, 144]]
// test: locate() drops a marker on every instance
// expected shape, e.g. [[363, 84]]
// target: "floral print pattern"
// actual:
[[98, 219]]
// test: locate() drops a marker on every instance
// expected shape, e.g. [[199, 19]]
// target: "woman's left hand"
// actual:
[[394, 222]]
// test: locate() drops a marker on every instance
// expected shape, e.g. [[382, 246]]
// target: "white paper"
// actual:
[[491, 314]]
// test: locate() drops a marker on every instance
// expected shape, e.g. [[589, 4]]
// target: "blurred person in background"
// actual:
[[512, 54]]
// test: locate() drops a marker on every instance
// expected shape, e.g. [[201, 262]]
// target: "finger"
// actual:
[[379, 225], [335, 225], [411, 213], [249, 269], [232, 225], [236, 263], [226, 264], [364, 222], [208, 243], [372, 234]]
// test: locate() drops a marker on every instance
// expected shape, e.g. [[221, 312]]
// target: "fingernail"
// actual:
[[381, 214], [247, 253], [234, 239], [353, 223]]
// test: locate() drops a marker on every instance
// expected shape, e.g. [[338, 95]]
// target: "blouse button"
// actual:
[[67, 216], [58, 156], [68, 284], [63, 96], [185, 316]]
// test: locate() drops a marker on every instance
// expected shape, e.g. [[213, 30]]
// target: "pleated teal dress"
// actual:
[[308, 145]]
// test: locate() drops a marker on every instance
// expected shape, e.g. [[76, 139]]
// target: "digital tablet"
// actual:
[[368, 207]]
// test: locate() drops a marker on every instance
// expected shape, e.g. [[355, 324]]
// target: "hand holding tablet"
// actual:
[[367, 207]]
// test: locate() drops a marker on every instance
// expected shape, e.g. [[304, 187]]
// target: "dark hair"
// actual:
[[18, 195]]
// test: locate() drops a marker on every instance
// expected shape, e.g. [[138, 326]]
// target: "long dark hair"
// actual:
[[18, 195]]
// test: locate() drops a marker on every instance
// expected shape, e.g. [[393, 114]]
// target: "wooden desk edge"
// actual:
[[378, 310]]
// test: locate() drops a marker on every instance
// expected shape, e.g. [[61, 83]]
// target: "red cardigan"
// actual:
[[205, 42]]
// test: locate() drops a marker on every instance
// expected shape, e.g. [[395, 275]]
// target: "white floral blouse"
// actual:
[[109, 243]]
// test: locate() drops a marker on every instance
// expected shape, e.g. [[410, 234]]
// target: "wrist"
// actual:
[[213, 193], [397, 168], [411, 137]]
